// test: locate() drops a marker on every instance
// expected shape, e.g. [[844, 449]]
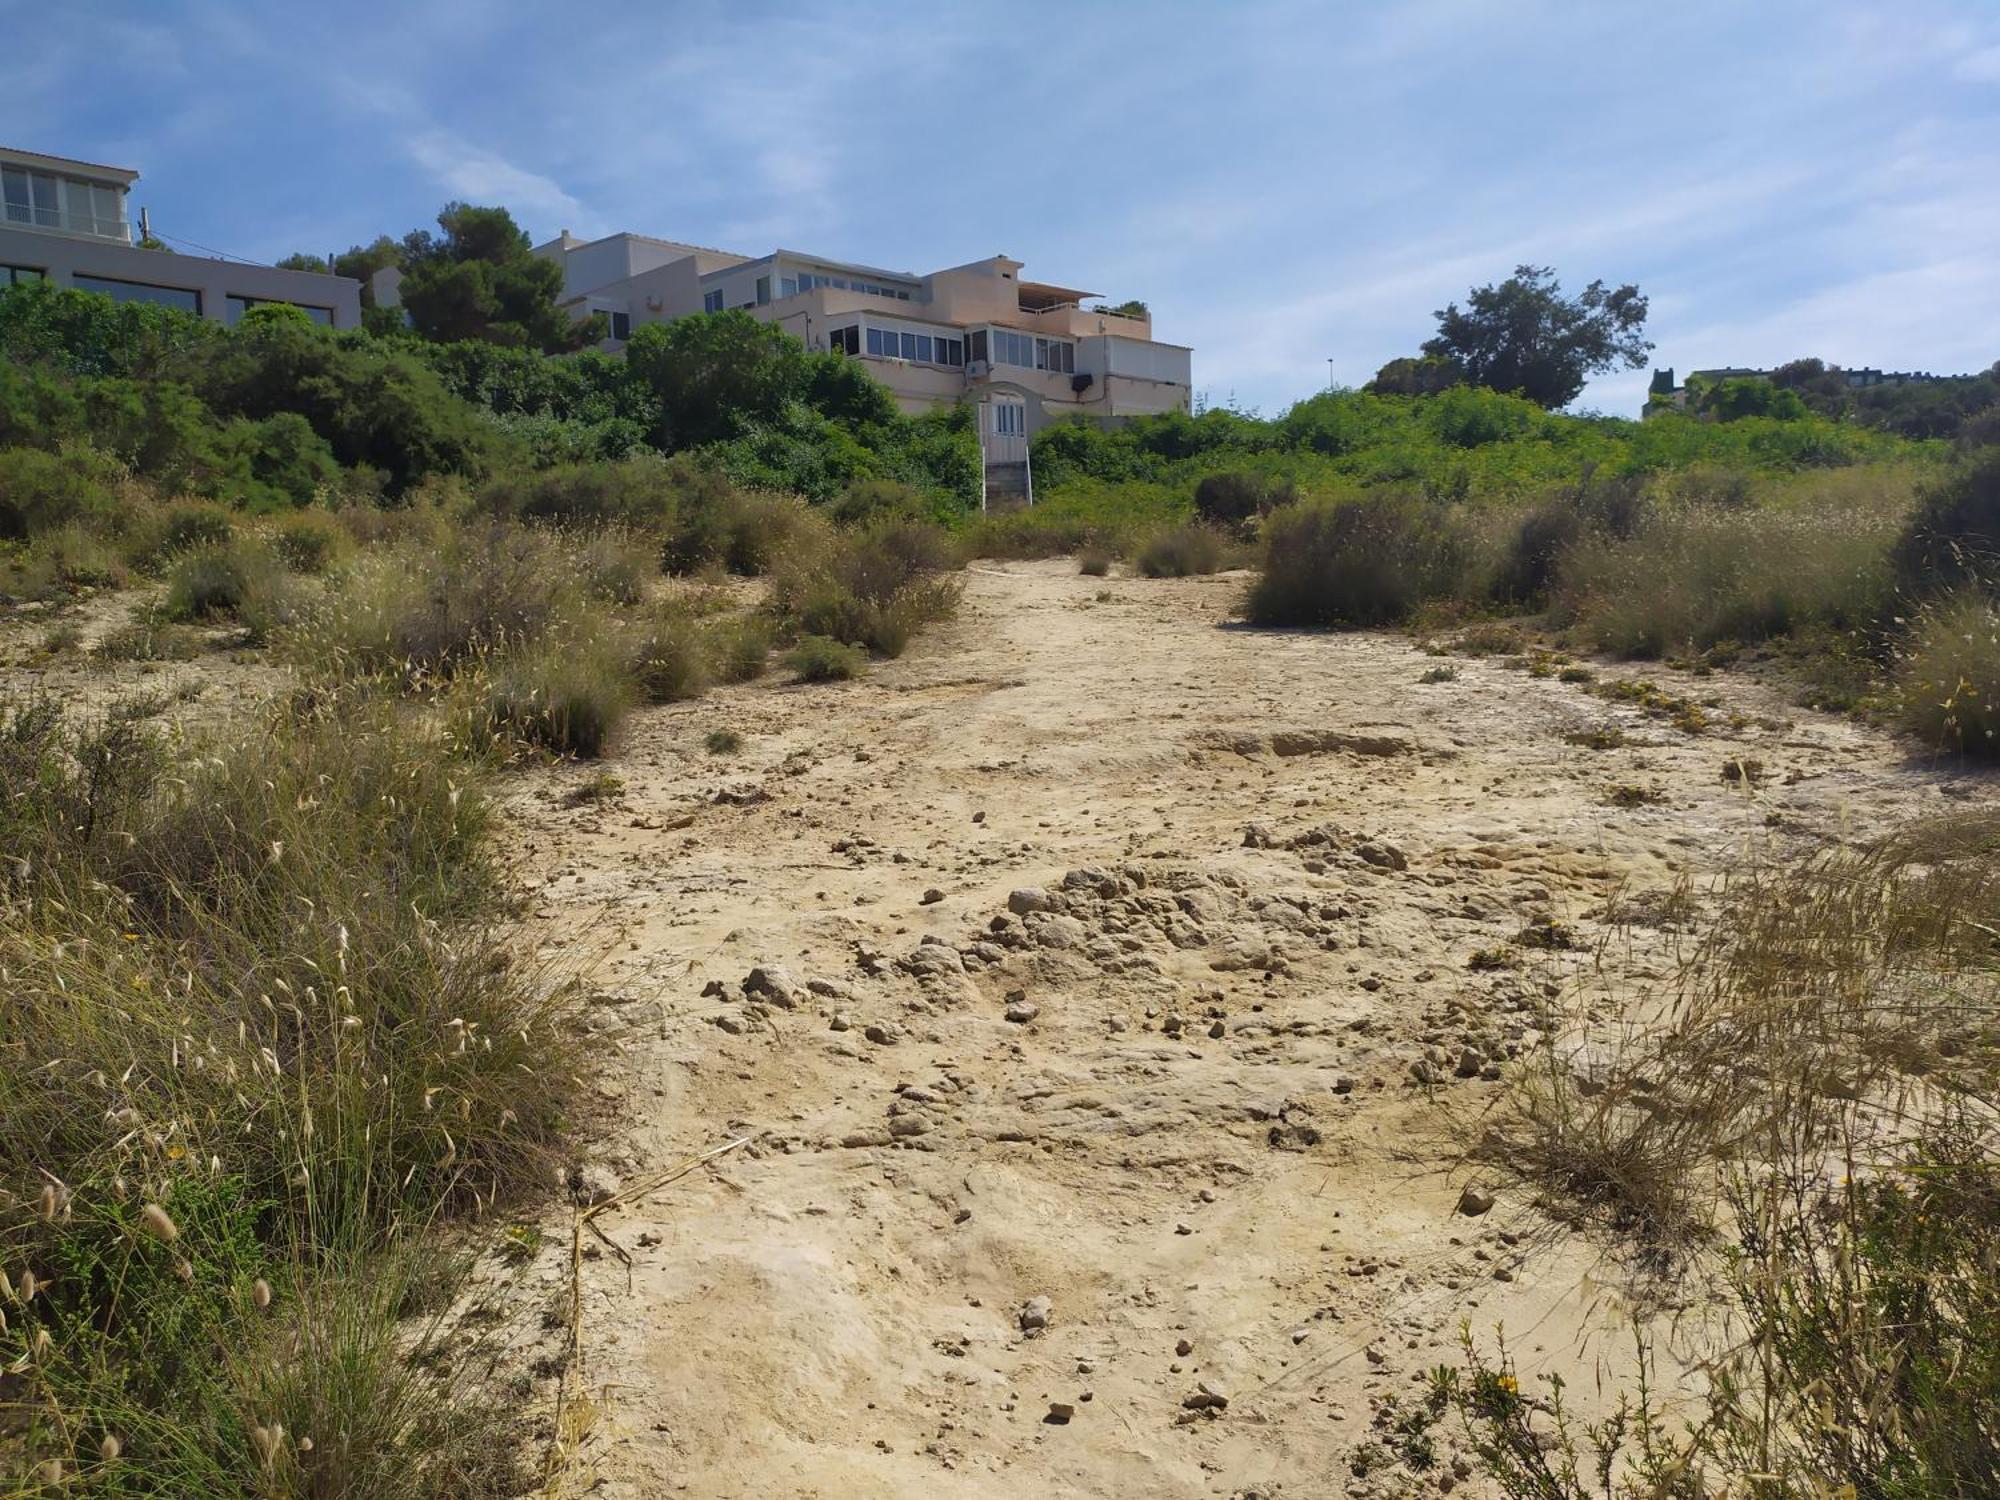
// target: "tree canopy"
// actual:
[[1523, 335], [479, 280]]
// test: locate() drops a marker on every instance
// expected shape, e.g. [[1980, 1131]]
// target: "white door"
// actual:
[[1003, 431]]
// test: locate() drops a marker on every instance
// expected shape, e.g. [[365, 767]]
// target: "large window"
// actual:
[[917, 348], [237, 306], [47, 201], [19, 275], [809, 279], [712, 301], [184, 298], [763, 291], [621, 325], [1031, 353], [845, 340]]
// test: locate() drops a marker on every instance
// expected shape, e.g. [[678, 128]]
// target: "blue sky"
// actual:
[[1284, 183]]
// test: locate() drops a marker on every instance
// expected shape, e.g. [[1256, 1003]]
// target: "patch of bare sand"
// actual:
[[1211, 1125]]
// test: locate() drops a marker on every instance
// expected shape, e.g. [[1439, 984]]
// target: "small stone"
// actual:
[[1035, 1314], [905, 1125], [1020, 1012], [931, 897], [1207, 1396], [596, 1184], [961, 1216], [881, 1034], [1027, 899], [841, 1021], [1469, 1063], [1501, 1273], [1207, 1195], [1473, 1202], [772, 982], [1059, 1413], [1184, 1348], [733, 1025], [1299, 1335]]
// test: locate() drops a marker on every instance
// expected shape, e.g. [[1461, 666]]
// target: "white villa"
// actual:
[[65, 221], [1025, 352]]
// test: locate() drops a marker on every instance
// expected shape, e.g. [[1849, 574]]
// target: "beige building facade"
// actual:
[[1024, 353], [66, 221]]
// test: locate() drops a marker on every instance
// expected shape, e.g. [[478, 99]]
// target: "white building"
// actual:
[[65, 221], [1024, 352]]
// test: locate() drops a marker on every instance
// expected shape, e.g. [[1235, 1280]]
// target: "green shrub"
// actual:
[[739, 649], [1182, 552], [248, 1001], [640, 492], [1232, 500], [615, 566], [240, 581], [1948, 682], [874, 500], [1954, 534], [564, 694], [816, 658], [310, 542], [1362, 562], [42, 491], [875, 588], [62, 561], [154, 536], [671, 657]]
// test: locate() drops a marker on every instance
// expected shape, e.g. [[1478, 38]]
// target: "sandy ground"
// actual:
[[1212, 1135]]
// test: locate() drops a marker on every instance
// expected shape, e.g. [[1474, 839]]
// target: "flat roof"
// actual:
[[58, 163], [1051, 296]]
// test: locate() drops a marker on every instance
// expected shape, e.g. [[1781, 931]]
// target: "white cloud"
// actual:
[[480, 176], [1979, 67]]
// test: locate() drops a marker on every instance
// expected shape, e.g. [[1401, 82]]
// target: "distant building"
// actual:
[[1024, 352], [1664, 392], [65, 221]]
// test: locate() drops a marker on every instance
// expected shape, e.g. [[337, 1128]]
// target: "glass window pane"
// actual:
[[48, 211], [14, 188], [924, 348], [909, 346], [135, 291]]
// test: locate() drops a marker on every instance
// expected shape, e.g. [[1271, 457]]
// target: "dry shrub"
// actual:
[[566, 692], [1183, 552], [1822, 1097], [429, 608], [874, 588], [1366, 561], [817, 659], [255, 1031], [1948, 675], [1694, 577]]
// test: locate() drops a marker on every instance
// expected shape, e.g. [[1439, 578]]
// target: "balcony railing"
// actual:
[[64, 222]]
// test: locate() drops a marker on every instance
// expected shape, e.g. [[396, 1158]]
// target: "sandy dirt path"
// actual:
[[1209, 1136]]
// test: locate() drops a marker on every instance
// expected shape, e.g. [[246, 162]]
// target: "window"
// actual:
[[924, 348], [1013, 349], [909, 346], [788, 286], [845, 340], [712, 301], [875, 341], [237, 306], [977, 347], [621, 326], [19, 275], [1055, 355], [14, 195], [1010, 419], [184, 298], [763, 291], [951, 352]]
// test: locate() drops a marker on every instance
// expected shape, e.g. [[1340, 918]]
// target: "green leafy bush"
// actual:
[[310, 542], [41, 491], [1234, 499], [816, 658]]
